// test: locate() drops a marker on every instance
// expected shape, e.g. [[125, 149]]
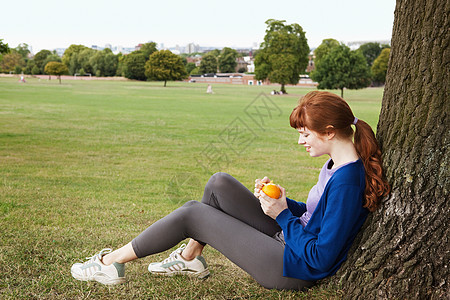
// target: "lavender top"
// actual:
[[316, 192]]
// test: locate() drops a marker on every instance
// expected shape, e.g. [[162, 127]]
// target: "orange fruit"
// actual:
[[271, 190]]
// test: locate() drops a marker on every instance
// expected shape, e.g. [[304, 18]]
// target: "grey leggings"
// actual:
[[229, 219]]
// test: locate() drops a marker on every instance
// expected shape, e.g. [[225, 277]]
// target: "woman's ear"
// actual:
[[330, 132]]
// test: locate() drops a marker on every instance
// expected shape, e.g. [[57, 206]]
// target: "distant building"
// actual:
[[246, 51], [192, 48], [251, 67], [243, 79], [127, 50], [197, 59], [60, 51], [245, 62], [138, 47], [356, 44], [305, 80], [227, 78], [117, 49], [120, 49], [311, 66]]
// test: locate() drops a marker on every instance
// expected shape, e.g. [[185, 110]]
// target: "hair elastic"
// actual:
[[355, 120]]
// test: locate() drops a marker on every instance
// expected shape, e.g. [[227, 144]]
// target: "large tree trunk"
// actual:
[[403, 251]]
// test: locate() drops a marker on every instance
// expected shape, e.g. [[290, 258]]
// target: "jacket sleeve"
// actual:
[[322, 245], [297, 208]]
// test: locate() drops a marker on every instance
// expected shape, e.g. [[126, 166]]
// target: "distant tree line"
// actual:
[[282, 58], [147, 63], [338, 67]]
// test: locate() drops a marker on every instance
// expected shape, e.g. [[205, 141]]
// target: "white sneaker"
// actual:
[[175, 264], [94, 269]]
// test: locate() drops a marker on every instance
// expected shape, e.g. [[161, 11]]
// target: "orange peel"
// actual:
[[271, 190]]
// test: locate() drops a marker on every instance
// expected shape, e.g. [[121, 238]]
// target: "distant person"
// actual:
[[209, 89], [281, 243], [22, 78]]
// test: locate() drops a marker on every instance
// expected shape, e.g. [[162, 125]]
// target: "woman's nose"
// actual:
[[300, 140]]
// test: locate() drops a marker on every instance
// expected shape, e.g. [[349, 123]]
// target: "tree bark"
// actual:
[[403, 250]]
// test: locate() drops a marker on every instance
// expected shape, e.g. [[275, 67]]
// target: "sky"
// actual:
[[50, 24]]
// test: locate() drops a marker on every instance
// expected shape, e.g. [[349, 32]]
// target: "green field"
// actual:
[[90, 164]]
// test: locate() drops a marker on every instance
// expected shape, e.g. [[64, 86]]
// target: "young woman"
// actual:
[[281, 243]]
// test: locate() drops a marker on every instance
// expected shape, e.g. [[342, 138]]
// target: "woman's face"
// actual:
[[316, 145]]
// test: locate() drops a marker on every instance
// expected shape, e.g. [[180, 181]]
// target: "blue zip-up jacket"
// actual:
[[318, 250]]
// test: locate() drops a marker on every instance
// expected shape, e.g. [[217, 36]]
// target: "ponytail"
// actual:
[[368, 150], [317, 110]]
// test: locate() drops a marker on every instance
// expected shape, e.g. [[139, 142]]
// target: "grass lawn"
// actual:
[[90, 164]]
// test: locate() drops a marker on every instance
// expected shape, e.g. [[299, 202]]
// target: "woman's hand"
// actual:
[[259, 183], [272, 207]]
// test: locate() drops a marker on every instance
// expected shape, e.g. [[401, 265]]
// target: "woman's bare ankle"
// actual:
[[192, 250], [188, 256], [106, 260], [121, 255]]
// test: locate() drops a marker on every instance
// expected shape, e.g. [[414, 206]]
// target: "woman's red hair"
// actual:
[[318, 110]]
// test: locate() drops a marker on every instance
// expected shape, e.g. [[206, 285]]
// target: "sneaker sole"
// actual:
[[108, 281], [199, 275], [101, 279]]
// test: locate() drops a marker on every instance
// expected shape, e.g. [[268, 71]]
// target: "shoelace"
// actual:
[[99, 255], [173, 255]]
